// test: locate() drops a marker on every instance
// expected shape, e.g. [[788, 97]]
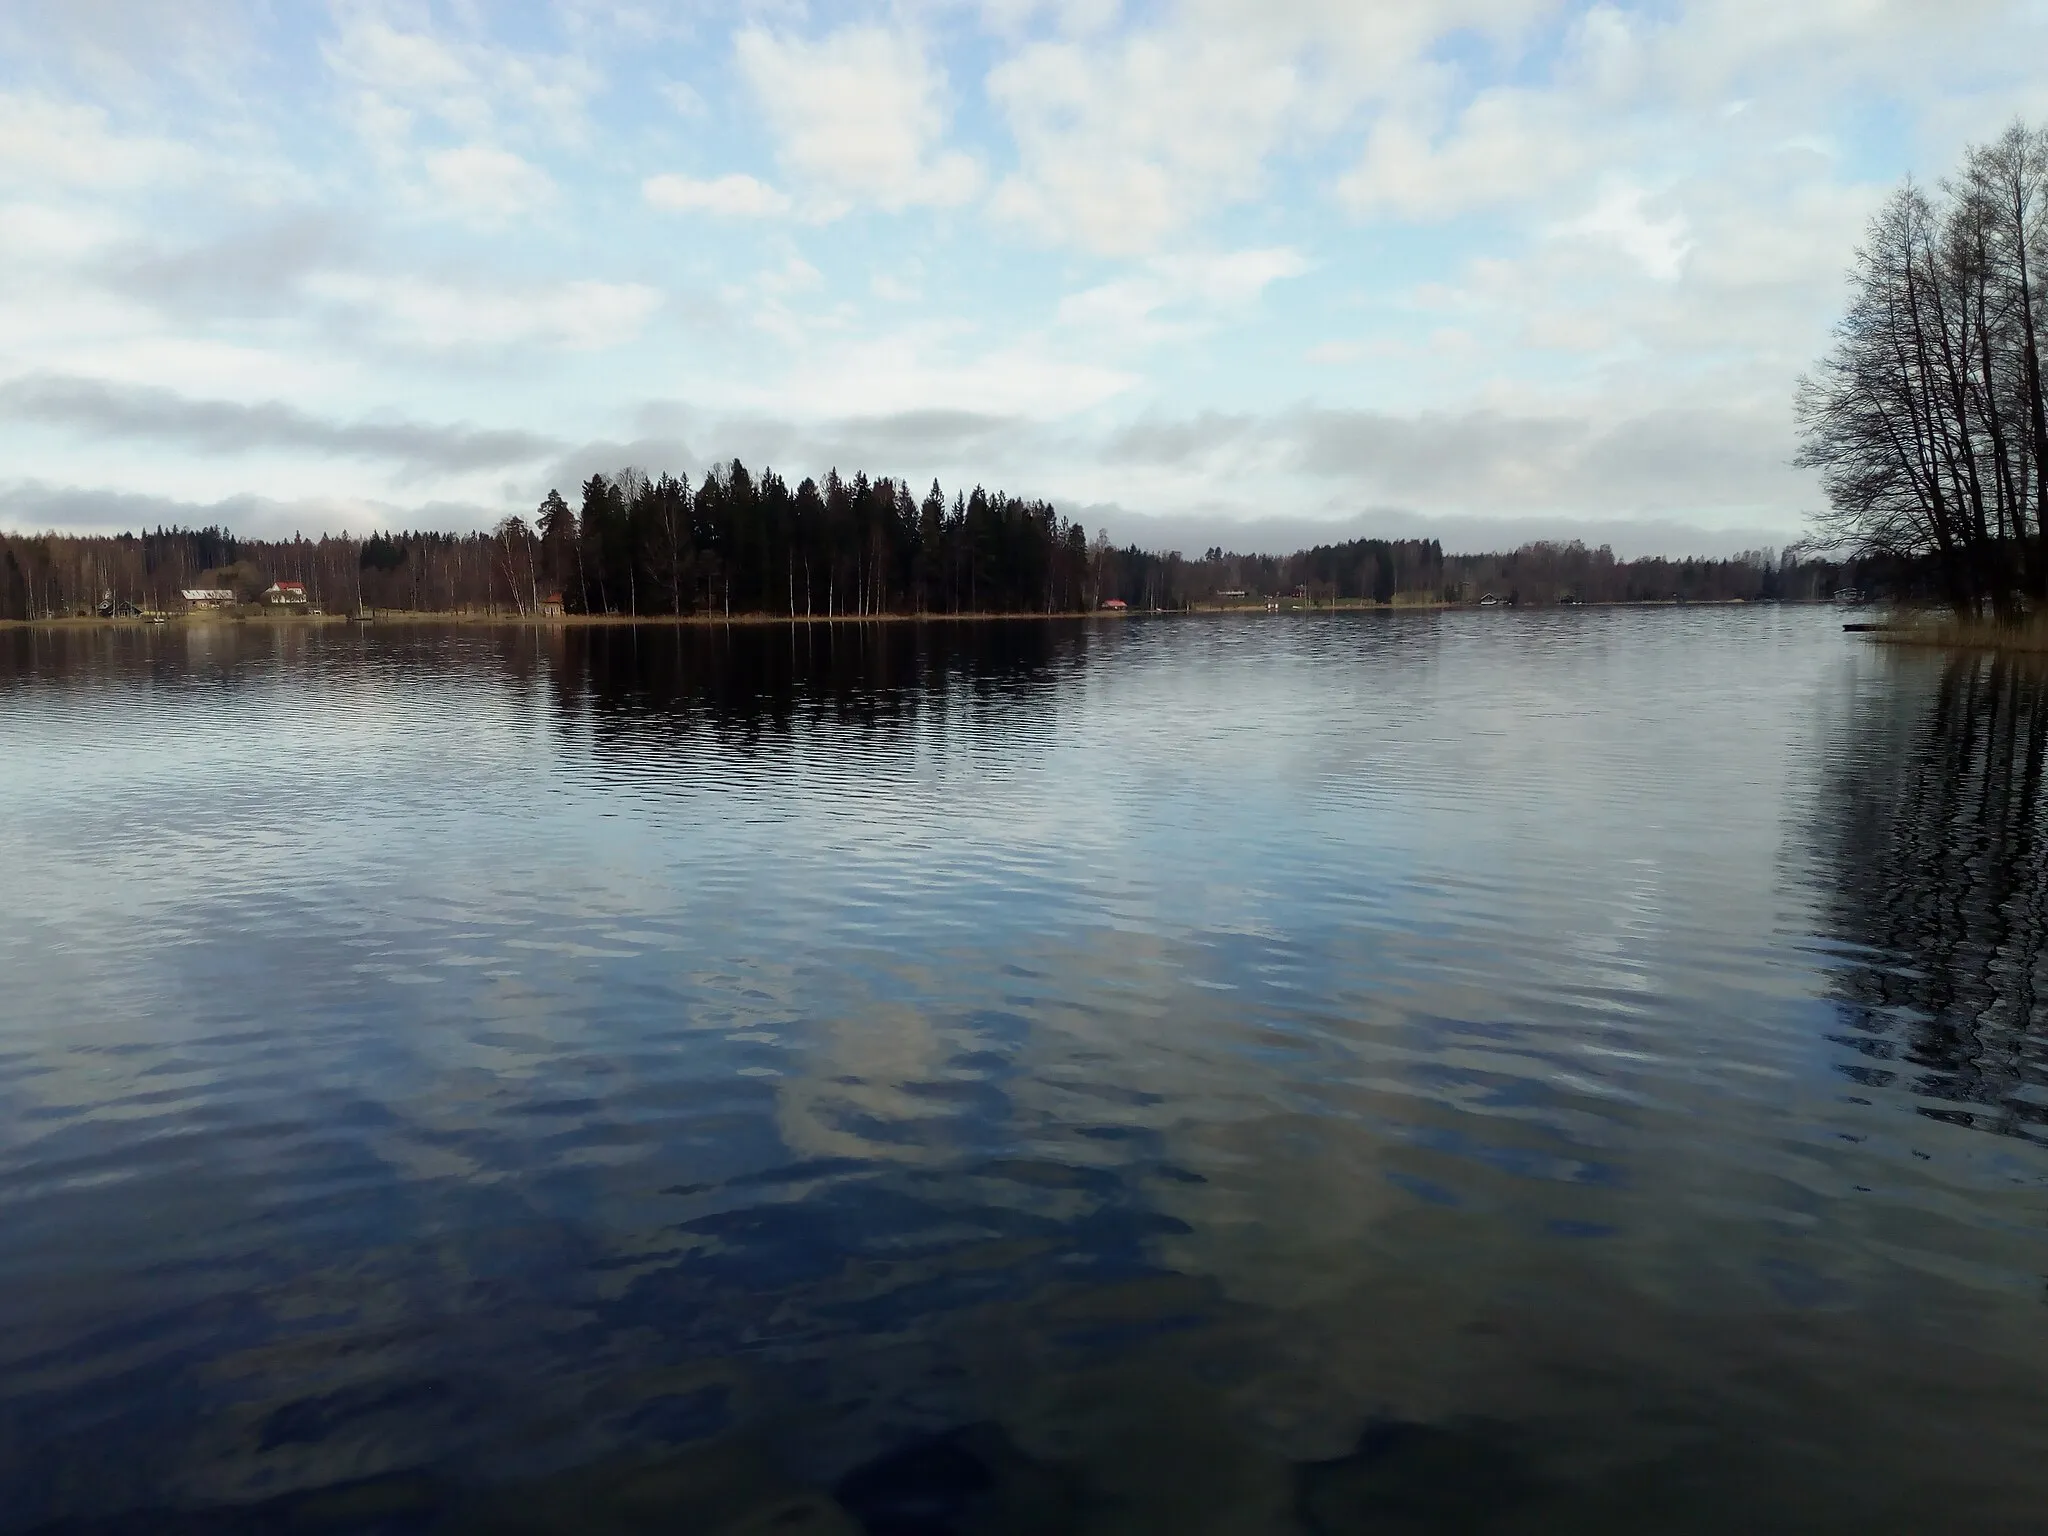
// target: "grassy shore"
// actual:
[[2030, 636]]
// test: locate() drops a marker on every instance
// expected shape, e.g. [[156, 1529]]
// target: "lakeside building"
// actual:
[[208, 597], [551, 606], [286, 594], [1116, 605]]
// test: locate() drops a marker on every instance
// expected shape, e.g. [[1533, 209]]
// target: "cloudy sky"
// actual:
[[1227, 267]]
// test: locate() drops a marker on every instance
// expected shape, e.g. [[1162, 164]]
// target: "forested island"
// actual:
[[741, 544]]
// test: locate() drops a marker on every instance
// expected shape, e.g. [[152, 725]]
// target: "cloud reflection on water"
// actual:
[[1122, 1073]]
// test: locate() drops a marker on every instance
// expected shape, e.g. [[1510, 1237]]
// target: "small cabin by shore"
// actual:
[[551, 606], [208, 597], [1115, 605], [283, 594]]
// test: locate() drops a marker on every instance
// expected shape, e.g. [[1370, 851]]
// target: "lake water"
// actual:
[[1508, 1072]]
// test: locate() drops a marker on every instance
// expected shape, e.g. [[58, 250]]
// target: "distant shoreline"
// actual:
[[408, 616]]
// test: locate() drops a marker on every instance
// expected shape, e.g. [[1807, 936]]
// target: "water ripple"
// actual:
[[1267, 1072]]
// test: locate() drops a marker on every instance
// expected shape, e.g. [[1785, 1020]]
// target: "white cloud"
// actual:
[[473, 86], [401, 63], [1118, 152], [416, 312], [31, 505], [794, 276], [1621, 220], [1673, 87], [1705, 463], [1123, 142], [40, 235], [135, 53], [488, 183], [1709, 49], [1621, 237], [727, 197], [1232, 278], [859, 115], [902, 287], [920, 368], [1606, 54], [1507, 147], [684, 98], [68, 144], [109, 410], [1073, 18], [1195, 289], [769, 300], [444, 115]]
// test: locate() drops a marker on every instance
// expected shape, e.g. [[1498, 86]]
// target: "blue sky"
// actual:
[[1225, 271]]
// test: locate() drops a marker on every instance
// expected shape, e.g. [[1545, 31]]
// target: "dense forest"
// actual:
[[1927, 418], [742, 544]]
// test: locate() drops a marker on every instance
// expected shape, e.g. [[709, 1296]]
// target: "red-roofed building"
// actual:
[[286, 592], [1116, 605]]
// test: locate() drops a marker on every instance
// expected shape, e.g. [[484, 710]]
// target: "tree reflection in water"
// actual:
[[1943, 874]]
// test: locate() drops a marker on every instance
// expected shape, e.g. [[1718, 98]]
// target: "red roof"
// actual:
[[291, 586], [1116, 602]]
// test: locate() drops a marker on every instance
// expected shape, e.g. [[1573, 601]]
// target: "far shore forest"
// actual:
[[741, 544]]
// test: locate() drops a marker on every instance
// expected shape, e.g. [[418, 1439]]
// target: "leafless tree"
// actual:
[[1926, 419]]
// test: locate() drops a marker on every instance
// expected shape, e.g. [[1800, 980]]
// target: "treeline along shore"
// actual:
[[741, 545], [1928, 417]]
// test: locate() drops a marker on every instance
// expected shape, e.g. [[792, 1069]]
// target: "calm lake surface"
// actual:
[[1465, 1072]]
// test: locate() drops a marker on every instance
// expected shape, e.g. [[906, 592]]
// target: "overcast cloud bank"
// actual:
[[1483, 269]]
